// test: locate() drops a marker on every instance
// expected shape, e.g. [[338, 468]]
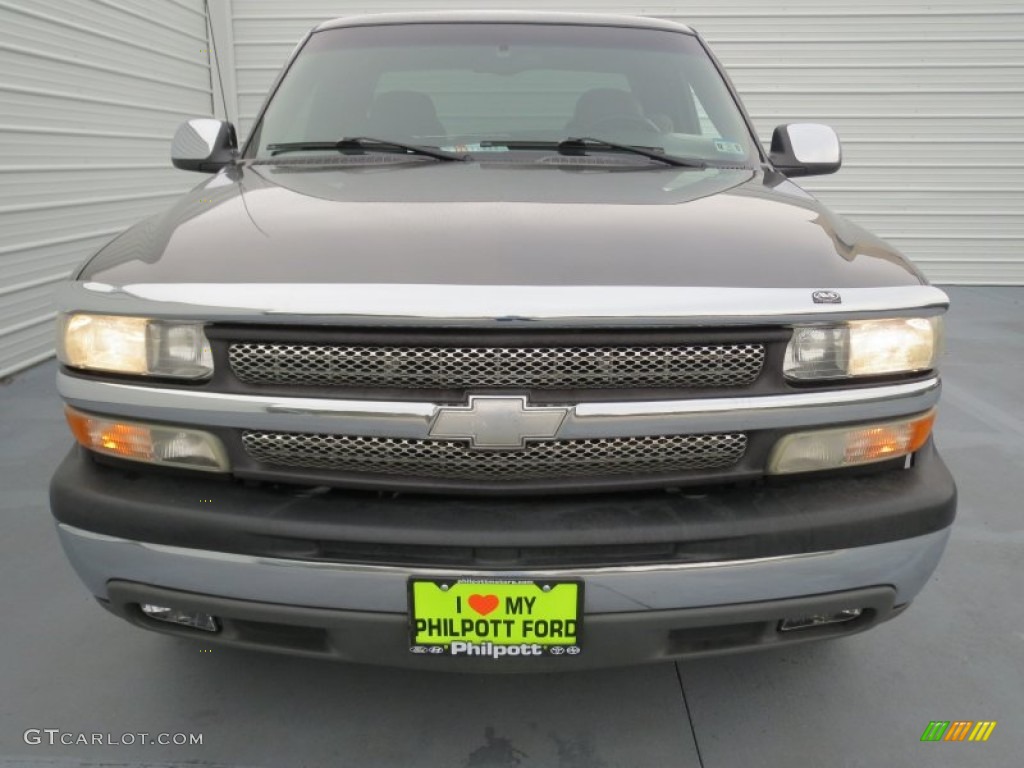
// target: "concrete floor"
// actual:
[[958, 654]]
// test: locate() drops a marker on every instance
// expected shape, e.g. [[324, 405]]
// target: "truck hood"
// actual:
[[500, 224]]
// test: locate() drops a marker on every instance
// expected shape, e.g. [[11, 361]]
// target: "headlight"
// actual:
[[849, 446], [134, 345], [151, 443], [863, 348]]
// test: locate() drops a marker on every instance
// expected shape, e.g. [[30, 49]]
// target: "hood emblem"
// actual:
[[827, 297], [497, 422]]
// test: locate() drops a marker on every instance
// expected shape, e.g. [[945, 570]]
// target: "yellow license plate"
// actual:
[[495, 618]]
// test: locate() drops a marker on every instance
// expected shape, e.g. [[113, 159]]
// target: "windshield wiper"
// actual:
[[362, 144], [578, 145]]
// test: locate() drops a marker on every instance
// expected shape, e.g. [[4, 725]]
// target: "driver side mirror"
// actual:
[[204, 144], [805, 149]]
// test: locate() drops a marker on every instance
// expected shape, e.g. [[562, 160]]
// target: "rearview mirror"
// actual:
[[805, 149], [204, 144]]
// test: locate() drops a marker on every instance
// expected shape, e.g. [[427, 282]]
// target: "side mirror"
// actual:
[[805, 149], [204, 144]]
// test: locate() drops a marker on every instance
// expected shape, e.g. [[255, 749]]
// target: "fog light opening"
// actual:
[[192, 619], [820, 619]]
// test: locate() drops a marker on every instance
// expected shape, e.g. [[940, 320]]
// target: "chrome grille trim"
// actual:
[[450, 459], [560, 367], [413, 419]]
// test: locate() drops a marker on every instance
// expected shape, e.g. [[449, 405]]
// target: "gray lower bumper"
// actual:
[[631, 614], [904, 565]]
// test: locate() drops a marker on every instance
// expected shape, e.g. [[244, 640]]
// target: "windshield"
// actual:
[[488, 87]]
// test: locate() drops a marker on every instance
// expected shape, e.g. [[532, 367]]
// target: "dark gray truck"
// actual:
[[502, 344]]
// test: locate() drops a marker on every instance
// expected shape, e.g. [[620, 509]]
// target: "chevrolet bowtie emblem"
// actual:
[[497, 422]]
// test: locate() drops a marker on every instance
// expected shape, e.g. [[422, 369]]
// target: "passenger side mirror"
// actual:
[[805, 149], [204, 144]]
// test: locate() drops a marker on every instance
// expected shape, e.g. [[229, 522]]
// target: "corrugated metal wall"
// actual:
[[927, 96], [90, 94]]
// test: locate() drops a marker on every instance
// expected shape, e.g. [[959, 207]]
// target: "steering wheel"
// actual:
[[625, 122]]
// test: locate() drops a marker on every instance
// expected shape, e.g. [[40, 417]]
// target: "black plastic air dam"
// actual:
[[199, 512]]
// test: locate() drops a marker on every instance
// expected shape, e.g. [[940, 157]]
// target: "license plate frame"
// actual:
[[521, 617]]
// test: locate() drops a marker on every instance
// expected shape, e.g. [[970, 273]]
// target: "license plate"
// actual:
[[495, 618]]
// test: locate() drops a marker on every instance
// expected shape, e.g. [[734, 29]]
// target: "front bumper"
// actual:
[[743, 559], [632, 615]]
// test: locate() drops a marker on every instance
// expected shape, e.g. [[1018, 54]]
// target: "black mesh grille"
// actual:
[[582, 367], [451, 459]]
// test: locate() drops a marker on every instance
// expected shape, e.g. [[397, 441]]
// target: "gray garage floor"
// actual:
[[958, 654]]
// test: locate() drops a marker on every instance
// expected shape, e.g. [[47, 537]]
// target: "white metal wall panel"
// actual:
[[90, 94], [927, 96]]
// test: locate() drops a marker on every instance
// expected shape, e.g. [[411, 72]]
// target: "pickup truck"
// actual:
[[501, 344]]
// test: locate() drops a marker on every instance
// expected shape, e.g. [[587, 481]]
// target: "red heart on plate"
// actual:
[[483, 604]]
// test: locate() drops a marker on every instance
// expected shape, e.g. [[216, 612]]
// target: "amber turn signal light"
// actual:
[[850, 446], [150, 443]]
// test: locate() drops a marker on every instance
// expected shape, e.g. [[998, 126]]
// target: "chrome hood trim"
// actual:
[[490, 305]]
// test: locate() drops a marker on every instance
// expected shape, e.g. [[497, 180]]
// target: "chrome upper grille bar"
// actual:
[[385, 418]]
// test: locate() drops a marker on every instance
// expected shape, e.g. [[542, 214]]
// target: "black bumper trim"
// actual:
[[812, 515]]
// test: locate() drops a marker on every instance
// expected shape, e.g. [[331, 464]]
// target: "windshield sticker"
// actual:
[[729, 147], [475, 148]]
